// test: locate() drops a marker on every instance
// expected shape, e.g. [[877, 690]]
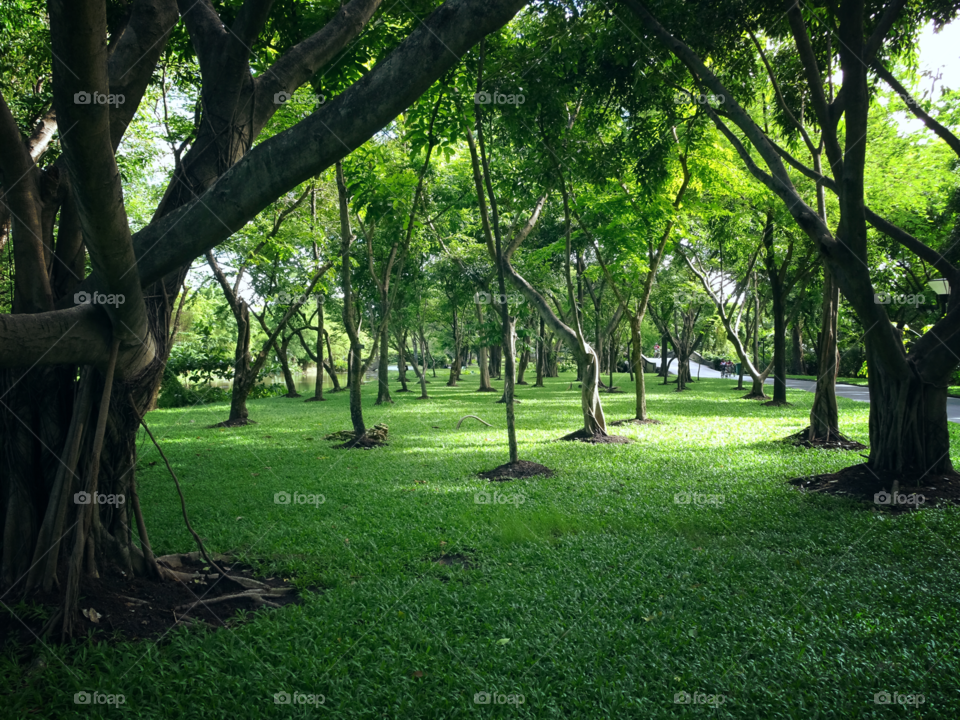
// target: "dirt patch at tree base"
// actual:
[[374, 437], [315, 399], [754, 396], [596, 439], [118, 608], [835, 441], [516, 471], [893, 491], [635, 421], [490, 389], [239, 422], [778, 403], [453, 560]]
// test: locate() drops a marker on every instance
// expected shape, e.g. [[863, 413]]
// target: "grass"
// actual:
[[591, 595]]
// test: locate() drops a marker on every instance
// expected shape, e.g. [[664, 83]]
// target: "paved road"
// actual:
[[851, 392]]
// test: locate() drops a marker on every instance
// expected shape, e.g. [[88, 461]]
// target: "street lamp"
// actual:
[[941, 286]]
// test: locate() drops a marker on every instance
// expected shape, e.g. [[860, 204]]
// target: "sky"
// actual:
[[941, 52]]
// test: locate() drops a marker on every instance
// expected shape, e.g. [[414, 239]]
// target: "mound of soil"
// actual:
[[239, 422], [634, 421], [598, 439], [374, 437], [834, 442], [862, 483], [139, 608], [516, 471]]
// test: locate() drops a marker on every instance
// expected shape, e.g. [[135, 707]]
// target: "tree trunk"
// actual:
[[318, 386], [242, 370], [524, 361], [796, 362], [331, 367], [636, 320], [383, 372], [779, 352], [285, 367], [824, 414], [908, 424], [541, 356], [402, 361], [508, 385], [594, 421]]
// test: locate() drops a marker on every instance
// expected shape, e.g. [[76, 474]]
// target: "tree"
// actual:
[[222, 182], [908, 421]]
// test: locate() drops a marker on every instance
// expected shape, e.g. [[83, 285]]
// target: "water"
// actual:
[[306, 380]]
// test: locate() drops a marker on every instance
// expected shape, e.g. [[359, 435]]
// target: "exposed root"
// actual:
[[475, 418], [885, 490], [237, 422], [596, 438], [833, 440], [374, 437], [517, 470]]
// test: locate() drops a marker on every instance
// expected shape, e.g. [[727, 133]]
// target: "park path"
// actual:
[[851, 392]]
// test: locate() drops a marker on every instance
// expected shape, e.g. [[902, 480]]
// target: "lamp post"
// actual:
[[941, 287]]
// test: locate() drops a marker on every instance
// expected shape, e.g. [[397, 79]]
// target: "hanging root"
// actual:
[[475, 418], [183, 503]]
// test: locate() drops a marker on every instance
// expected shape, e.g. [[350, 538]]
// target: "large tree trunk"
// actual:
[[908, 424]]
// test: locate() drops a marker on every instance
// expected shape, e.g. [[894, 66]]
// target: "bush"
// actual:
[[173, 394]]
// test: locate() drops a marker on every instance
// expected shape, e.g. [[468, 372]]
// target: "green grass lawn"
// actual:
[[593, 594]]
